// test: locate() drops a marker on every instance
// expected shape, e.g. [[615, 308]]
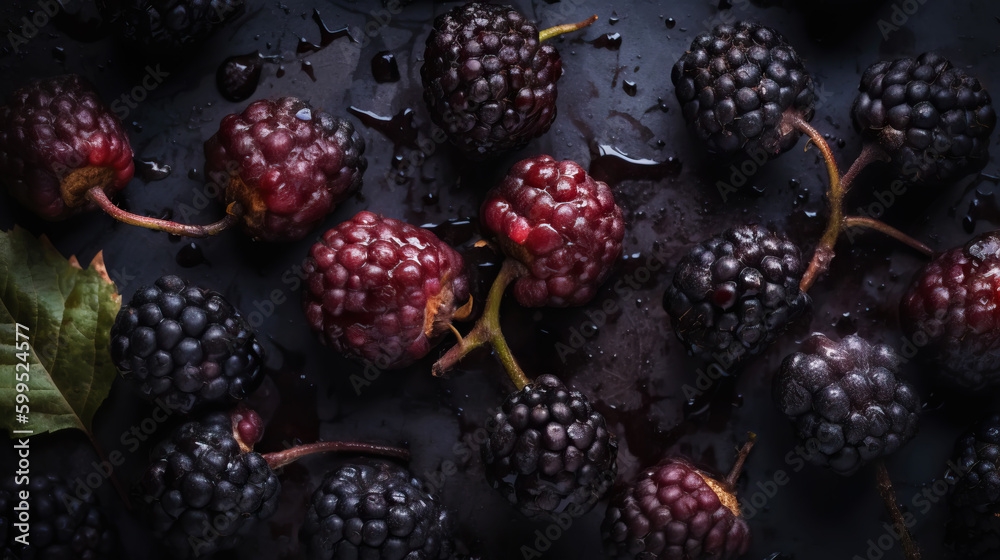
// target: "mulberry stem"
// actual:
[[98, 195], [284, 458], [560, 29], [487, 330], [888, 494]]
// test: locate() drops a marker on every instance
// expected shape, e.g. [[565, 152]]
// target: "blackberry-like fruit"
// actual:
[[974, 527], [57, 141], [285, 165], [562, 224], [737, 83], [186, 345], [933, 119], [548, 451], [951, 309], [375, 510], [205, 488], [732, 295], [488, 80], [383, 290], [847, 401], [977, 459], [676, 511], [62, 526], [164, 28]]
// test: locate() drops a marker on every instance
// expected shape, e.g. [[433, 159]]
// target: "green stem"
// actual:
[[487, 330], [882, 227], [560, 29], [101, 198]]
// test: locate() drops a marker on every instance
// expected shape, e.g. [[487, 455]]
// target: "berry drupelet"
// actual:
[[951, 309], [62, 525], [933, 120], [489, 82], [383, 290], [549, 451], [285, 165], [561, 224], [375, 510], [57, 141], [847, 401], [732, 295], [676, 511], [736, 86], [186, 345], [163, 28]]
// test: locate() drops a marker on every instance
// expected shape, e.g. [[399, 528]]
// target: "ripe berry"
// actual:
[[383, 290], [732, 295], [58, 140], [186, 345], [974, 527], [562, 224], [847, 401], [375, 510], [285, 165], [488, 80], [162, 28], [549, 451], [736, 84], [205, 488], [675, 511], [62, 525], [951, 309], [933, 119]]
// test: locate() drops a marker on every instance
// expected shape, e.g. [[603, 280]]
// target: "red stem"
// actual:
[[280, 459], [101, 198]]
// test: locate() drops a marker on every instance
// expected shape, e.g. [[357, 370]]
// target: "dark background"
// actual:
[[632, 366]]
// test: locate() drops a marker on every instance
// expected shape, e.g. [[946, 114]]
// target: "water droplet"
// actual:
[[281, 71], [610, 41], [304, 114], [238, 76], [59, 54], [398, 128], [614, 18], [307, 67], [630, 87], [137, 126], [190, 255], [611, 165], [194, 174], [431, 199], [384, 67], [671, 23], [151, 170]]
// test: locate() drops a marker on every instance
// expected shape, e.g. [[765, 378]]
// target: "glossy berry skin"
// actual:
[[736, 83], [488, 81], [164, 28], [933, 119], [382, 290], [375, 510], [186, 345], [675, 511], [205, 490], [562, 224], [951, 310], [548, 451], [732, 295], [62, 525], [57, 139], [847, 401], [286, 165]]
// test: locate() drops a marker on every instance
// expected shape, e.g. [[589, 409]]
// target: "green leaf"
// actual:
[[68, 313]]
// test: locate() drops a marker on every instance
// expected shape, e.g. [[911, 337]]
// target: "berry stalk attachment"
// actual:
[[557, 30], [487, 330], [888, 493]]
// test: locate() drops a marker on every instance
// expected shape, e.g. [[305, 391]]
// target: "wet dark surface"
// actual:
[[620, 349]]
